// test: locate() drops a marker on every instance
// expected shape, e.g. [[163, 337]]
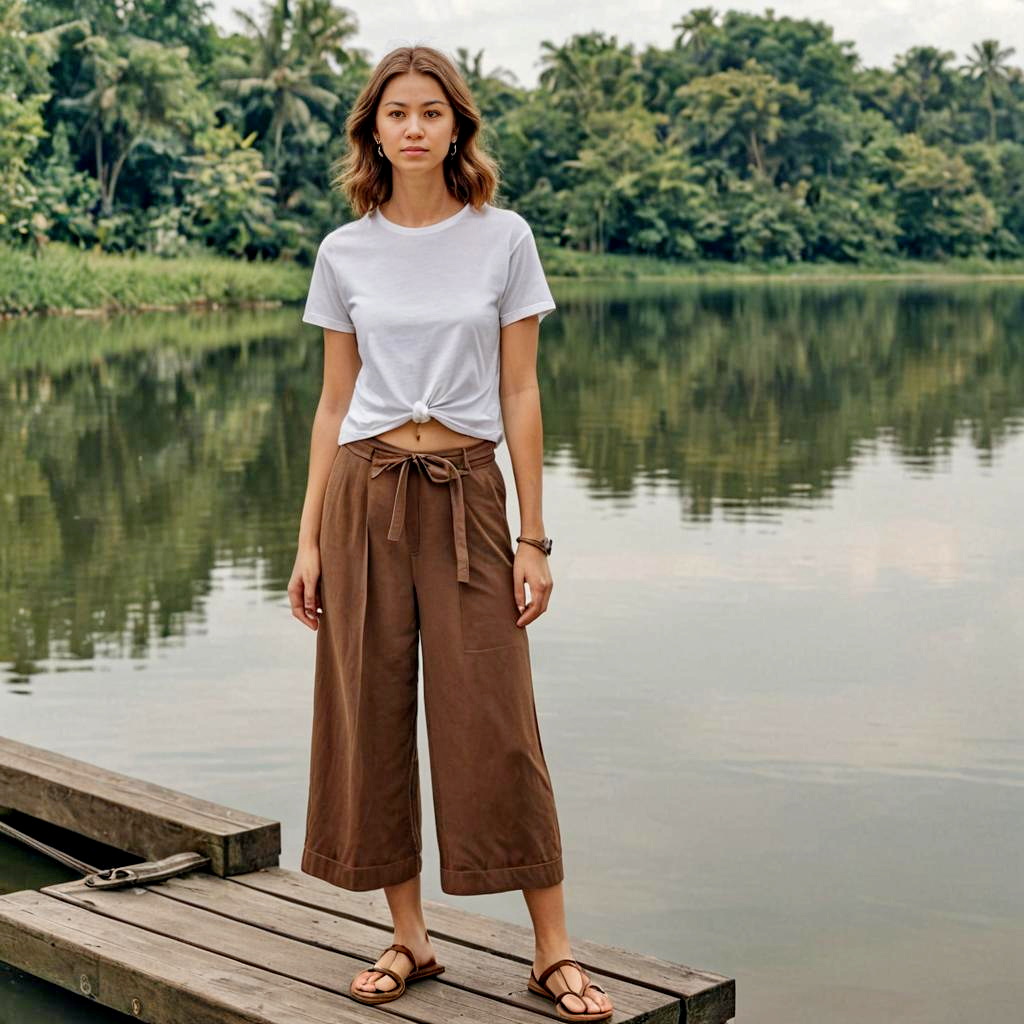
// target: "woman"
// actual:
[[431, 304]]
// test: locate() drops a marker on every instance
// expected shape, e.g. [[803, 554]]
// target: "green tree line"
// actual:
[[743, 137]]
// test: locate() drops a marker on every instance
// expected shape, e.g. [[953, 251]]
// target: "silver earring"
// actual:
[[452, 153], [379, 150]]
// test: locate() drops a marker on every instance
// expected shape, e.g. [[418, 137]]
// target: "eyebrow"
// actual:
[[399, 103]]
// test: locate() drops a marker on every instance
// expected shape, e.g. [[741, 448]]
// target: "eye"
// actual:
[[394, 112]]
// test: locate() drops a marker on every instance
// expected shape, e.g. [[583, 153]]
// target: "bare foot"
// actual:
[[375, 981], [567, 978]]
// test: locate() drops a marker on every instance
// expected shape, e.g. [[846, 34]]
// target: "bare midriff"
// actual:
[[427, 436]]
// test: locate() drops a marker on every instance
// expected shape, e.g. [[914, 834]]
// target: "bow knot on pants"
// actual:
[[439, 470]]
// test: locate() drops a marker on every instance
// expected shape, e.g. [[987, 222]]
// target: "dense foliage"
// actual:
[[141, 126]]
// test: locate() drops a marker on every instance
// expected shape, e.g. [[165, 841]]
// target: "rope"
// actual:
[[51, 851]]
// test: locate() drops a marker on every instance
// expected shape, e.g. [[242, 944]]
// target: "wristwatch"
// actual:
[[544, 543]]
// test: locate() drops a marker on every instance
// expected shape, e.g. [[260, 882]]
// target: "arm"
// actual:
[[524, 433], [341, 367]]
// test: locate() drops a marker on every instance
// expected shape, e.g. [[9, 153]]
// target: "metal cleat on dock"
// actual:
[[147, 872]]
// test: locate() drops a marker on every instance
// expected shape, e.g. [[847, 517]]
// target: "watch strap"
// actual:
[[544, 544]]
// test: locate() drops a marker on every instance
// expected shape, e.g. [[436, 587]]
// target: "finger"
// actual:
[[537, 603], [531, 612], [296, 595], [309, 597], [519, 578], [524, 602]]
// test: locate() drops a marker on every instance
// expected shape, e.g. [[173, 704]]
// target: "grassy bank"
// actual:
[[67, 280], [64, 279], [559, 262]]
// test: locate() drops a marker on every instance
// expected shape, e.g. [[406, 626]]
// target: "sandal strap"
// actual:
[[394, 975], [562, 995], [579, 995], [405, 951], [551, 968]]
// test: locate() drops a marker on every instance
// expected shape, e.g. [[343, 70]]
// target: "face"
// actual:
[[415, 123]]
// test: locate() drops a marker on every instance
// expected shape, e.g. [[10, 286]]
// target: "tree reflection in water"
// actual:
[[138, 452]]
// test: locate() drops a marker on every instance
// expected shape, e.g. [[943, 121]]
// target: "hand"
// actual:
[[303, 587], [531, 566]]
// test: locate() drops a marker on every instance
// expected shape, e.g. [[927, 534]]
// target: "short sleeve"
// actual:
[[325, 305], [526, 291]]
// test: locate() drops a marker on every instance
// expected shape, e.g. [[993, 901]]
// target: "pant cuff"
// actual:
[[359, 879], [528, 876]]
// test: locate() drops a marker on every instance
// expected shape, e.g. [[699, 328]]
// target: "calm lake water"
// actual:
[[780, 677]]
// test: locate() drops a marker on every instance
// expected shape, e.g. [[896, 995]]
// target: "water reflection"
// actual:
[[139, 453]]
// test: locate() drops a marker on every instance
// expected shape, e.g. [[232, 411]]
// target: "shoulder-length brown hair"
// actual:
[[364, 177]]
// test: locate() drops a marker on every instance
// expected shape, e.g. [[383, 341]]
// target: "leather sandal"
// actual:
[[418, 973], [539, 986]]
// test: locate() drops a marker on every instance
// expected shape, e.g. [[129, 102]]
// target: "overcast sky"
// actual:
[[510, 33]]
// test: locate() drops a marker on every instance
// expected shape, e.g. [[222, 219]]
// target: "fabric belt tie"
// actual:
[[438, 470]]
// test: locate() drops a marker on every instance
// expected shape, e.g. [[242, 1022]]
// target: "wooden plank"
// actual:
[[151, 977], [141, 817], [307, 945], [706, 997]]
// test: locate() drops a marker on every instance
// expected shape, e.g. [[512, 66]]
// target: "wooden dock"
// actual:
[[259, 944]]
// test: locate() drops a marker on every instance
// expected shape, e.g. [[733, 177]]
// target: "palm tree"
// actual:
[[292, 50], [495, 91], [471, 67], [695, 30], [142, 92], [47, 42], [590, 73], [925, 78], [989, 63]]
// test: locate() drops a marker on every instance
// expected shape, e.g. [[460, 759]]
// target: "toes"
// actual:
[[369, 982], [592, 1001], [585, 1003], [574, 1004], [384, 982]]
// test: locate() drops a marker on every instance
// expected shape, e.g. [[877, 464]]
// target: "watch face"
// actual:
[[547, 545]]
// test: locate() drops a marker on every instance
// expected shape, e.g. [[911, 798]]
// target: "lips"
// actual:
[[414, 149]]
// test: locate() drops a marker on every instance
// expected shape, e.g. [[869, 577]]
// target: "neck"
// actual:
[[415, 202]]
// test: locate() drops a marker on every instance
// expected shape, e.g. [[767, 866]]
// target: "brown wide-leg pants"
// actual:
[[415, 546]]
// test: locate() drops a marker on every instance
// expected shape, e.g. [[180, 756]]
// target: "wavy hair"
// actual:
[[364, 178]]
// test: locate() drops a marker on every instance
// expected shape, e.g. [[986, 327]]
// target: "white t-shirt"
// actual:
[[427, 306]]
